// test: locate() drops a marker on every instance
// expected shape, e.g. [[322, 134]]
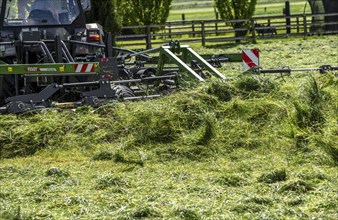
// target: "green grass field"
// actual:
[[204, 10], [253, 147]]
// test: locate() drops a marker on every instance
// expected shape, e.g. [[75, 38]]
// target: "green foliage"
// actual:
[[236, 10], [145, 12], [107, 14]]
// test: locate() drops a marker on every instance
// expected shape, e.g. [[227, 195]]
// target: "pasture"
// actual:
[[204, 10], [252, 147]]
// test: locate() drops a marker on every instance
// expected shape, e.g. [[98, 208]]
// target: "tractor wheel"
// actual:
[[7, 87], [7, 84], [123, 92]]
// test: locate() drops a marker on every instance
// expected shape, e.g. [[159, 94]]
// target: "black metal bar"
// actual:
[[85, 43], [36, 97], [3, 110], [275, 71], [43, 48], [58, 49], [144, 79], [16, 84], [66, 57], [66, 52], [104, 91], [7, 43], [321, 69], [109, 45], [97, 83], [80, 84]]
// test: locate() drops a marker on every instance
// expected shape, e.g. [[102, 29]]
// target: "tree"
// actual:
[[145, 12], [236, 10], [105, 13], [323, 7]]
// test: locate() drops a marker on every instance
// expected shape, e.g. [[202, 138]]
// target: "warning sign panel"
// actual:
[[250, 58]]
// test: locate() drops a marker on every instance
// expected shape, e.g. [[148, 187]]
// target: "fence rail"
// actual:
[[222, 31]]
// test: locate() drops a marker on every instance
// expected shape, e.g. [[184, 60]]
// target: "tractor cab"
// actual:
[[39, 22], [45, 12], [19, 14]]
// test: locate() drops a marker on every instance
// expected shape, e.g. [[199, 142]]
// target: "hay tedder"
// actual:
[[50, 57]]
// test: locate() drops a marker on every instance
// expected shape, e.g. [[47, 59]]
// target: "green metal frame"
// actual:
[[47, 68], [173, 54], [169, 55]]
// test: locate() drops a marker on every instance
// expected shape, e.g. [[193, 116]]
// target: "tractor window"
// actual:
[[40, 12], [86, 5]]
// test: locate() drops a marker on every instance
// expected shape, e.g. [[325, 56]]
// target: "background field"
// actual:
[[204, 10], [253, 147]]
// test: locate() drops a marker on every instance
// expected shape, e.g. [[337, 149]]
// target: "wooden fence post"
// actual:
[[193, 29], [169, 27], [305, 25], [148, 37], [203, 33], [253, 31], [183, 18], [216, 24], [287, 16]]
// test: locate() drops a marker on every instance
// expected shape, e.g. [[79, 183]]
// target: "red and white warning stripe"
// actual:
[[84, 67], [250, 58]]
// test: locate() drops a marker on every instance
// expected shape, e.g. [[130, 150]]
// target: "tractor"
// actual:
[[50, 57]]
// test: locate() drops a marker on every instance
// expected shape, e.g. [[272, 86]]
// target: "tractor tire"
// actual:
[[7, 88], [123, 92]]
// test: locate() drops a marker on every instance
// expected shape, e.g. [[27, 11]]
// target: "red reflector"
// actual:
[[94, 37]]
